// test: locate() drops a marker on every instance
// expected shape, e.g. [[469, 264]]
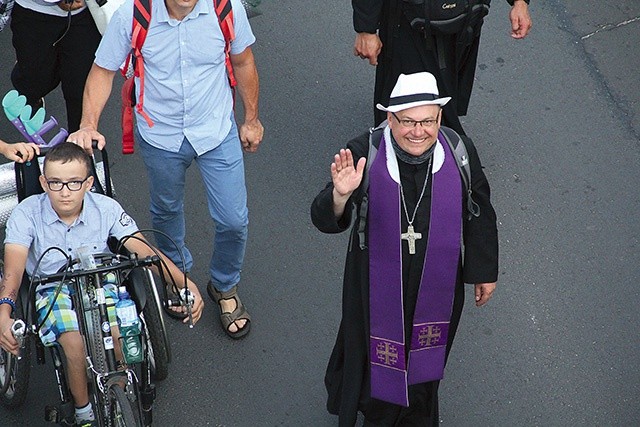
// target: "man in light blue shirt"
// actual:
[[188, 99]]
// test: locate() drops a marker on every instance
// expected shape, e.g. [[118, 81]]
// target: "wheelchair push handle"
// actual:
[[46, 148], [19, 330]]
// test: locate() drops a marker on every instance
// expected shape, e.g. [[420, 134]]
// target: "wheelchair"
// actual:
[[121, 396]]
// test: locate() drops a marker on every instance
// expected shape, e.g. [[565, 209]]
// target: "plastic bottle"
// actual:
[[129, 325]]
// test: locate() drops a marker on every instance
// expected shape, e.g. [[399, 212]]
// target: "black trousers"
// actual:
[[46, 58]]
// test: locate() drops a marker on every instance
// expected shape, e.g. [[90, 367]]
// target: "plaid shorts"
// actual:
[[62, 317]]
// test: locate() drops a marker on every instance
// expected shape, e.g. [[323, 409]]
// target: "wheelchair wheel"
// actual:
[[14, 376], [14, 373], [155, 332], [120, 409]]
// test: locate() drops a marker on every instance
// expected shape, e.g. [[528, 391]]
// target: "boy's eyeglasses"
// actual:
[[71, 185]]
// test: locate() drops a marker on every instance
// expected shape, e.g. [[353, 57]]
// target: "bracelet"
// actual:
[[9, 301]]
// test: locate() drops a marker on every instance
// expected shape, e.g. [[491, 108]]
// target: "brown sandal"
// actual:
[[240, 313]]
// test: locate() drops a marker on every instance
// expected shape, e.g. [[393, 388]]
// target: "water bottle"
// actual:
[[129, 325]]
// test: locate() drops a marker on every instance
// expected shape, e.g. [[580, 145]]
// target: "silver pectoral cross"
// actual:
[[411, 236]]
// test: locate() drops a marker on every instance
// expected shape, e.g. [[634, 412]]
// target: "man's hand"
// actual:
[[74, 5], [7, 340], [19, 152], [367, 46], [251, 133], [520, 19], [484, 292], [85, 136], [346, 178]]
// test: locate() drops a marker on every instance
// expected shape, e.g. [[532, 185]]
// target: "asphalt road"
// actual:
[[555, 117]]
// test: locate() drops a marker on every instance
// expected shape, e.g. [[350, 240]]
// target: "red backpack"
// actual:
[[141, 20]]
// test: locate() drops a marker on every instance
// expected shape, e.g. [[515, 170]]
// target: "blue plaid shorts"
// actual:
[[62, 317]]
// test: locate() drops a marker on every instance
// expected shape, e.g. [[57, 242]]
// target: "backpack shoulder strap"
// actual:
[[462, 161], [224, 12], [140, 25], [375, 136], [134, 66], [140, 28], [362, 197]]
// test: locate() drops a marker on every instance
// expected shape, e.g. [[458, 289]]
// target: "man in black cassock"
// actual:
[[406, 268], [386, 38]]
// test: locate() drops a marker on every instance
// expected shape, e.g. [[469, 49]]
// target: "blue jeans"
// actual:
[[222, 171]]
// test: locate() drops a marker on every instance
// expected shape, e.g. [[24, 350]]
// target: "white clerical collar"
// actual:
[[392, 160]]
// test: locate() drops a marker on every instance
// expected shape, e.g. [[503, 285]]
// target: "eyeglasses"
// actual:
[[71, 185], [408, 123]]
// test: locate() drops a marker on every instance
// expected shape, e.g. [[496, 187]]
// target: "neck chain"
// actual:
[[411, 236]]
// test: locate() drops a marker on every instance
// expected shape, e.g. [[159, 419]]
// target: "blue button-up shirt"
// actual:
[[35, 225], [186, 88]]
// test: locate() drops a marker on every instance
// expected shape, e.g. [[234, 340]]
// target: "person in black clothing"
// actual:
[[404, 278], [55, 44], [387, 39]]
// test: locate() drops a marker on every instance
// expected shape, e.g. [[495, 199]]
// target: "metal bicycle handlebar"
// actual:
[[121, 263]]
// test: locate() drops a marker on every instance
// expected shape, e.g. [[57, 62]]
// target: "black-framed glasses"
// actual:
[[408, 123], [71, 185]]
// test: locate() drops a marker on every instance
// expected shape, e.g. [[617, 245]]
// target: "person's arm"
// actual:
[[366, 19], [97, 90], [520, 19], [143, 250], [246, 73], [15, 260], [19, 152], [331, 209], [480, 233], [366, 15]]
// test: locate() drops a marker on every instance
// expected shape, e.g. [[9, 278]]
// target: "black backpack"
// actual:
[[462, 161], [445, 16]]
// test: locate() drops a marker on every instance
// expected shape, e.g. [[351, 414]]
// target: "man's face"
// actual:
[[66, 203], [415, 138], [178, 9]]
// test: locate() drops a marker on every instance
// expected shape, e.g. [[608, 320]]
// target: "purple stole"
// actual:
[[391, 370]]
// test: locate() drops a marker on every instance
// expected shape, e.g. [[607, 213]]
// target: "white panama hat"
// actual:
[[414, 90]]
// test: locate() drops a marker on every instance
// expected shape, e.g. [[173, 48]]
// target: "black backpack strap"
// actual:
[[362, 198], [462, 161]]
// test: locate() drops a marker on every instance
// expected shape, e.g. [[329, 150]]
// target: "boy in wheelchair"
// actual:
[[70, 217]]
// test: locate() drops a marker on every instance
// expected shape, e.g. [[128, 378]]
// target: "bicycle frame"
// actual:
[[90, 304]]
